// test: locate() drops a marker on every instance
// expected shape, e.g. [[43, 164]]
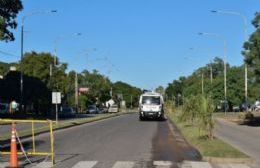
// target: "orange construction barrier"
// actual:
[[13, 155]]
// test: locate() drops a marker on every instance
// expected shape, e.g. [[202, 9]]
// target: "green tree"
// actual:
[[175, 89], [160, 89], [127, 91], [8, 13], [252, 49], [252, 58]]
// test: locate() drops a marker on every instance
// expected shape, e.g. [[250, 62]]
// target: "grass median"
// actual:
[[63, 124], [208, 148]]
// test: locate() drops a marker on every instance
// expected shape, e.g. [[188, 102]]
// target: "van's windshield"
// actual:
[[155, 100]]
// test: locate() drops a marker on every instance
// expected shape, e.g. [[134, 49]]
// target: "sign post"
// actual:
[[56, 99]]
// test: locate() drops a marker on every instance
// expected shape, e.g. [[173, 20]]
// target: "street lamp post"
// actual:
[[202, 74], [56, 63], [202, 80], [243, 17], [218, 36], [76, 92], [22, 52]]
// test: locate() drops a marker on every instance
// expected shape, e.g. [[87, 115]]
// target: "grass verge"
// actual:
[[207, 148], [62, 125]]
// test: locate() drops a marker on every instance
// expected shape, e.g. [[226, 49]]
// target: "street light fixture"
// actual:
[[243, 17], [211, 69], [218, 36], [22, 41], [57, 40]]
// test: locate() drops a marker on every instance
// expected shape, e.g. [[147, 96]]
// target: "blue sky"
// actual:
[[142, 42]]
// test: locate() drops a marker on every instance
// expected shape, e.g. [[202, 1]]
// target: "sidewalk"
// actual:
[[245, 138]]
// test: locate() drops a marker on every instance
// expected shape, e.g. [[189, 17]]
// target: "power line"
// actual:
[[7, 53]]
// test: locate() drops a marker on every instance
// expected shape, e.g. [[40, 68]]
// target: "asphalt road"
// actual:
[[124, 139], [246, 138], [119, 142]]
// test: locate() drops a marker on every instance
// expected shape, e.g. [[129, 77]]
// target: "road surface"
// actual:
[[121, 142], [246, 138]]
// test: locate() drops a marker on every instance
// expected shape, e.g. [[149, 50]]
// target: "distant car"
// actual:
[[113, 109], [103, 110], [92, 109], [67, 112], [4, 108], [223, 105], [244, 107], [236, 109], [256, 107]]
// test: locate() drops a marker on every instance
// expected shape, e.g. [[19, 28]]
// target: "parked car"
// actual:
[[67, 112], [236, 108], [103, 110], [256, 107], [244, 106], [113, 109], [4, 108], [223, 106], [92, 109]]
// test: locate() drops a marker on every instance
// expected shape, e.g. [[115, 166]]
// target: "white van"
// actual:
[[151, 106]]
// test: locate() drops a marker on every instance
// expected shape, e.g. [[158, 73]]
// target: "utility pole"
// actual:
[[211, 73], [21, 67], [202, 83], [22, 52], [245, 26], [131, 101], [111, 92], [219, 36], [76, 92]]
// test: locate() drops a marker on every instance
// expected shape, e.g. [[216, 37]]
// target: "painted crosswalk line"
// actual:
[[124, 164], [232, 166], [4, 165], [192, 164], [85, 164], [143, 164]]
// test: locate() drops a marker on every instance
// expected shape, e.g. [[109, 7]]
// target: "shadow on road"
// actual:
[[254, 122], [169, 144]]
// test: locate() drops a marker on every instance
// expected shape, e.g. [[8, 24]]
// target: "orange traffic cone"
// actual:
[[13, 155]]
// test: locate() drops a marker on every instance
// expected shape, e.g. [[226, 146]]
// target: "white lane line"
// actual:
[[85, 164], [233, 166], [121, 164], [191, 164], [162, 163]]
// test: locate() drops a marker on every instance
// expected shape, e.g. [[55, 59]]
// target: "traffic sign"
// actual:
[[56, 98]]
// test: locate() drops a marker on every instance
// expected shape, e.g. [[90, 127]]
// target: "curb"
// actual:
[[229, 160]]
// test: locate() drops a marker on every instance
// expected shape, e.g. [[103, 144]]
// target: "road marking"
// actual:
[[4, 165], [85, 164], [162, 163], [43, 165], [123, 164], [192, 164], [233, 166]]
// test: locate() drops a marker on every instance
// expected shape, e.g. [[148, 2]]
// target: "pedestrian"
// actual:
[[13, 107]]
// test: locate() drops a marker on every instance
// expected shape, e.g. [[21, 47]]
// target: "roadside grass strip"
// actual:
[[62, 125], [208, 148]]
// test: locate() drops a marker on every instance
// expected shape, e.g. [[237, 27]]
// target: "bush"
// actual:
[[200, 109]]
